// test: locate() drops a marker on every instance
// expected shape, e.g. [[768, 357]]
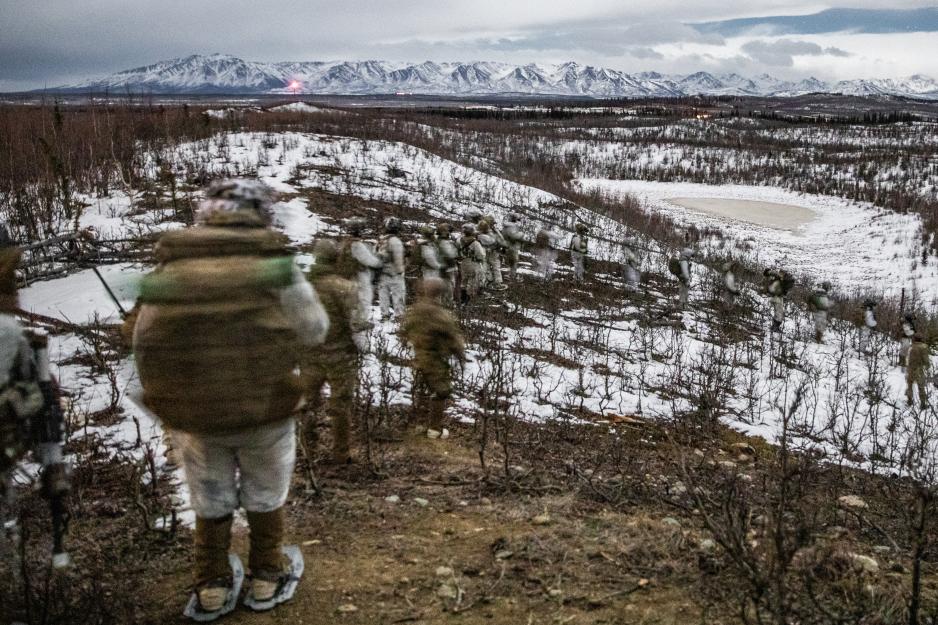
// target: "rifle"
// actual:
[[48, 433], [110, 293]]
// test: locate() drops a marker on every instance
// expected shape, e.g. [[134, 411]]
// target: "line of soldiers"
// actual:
[[914, 353]]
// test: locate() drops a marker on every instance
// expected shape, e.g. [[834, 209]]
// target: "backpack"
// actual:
[[20, 401], [788, 281], [542, 239], [674, 266]]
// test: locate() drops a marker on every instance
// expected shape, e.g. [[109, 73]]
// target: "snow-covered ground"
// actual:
[[856, 246]]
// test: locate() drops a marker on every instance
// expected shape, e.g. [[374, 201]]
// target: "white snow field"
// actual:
[[600, 365], [856, 246]]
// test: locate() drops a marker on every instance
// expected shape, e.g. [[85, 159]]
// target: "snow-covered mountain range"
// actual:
[[218, 73]]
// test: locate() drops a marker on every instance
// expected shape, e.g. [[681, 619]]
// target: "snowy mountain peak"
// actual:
[[223, 73]]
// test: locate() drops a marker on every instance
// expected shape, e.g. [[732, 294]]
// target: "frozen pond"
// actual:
[[768, 214]]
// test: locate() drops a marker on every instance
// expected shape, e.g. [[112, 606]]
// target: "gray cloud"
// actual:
[[781, 52]]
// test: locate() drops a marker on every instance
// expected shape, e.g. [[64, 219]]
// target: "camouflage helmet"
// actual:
[[443, 230], [392, 225], [490, 218], [426, 230], [869, 303], [484, 226], [909, 317], [474, 215], [826, 285], [326, 253], [237, 201], [582, 228], [513, 217], [355, 226], [729, 265], [468, 230]]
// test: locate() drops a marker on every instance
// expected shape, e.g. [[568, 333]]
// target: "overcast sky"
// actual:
[[52, 42]]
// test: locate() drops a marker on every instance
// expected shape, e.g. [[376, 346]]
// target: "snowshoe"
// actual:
[[194, 609], [286, 585]]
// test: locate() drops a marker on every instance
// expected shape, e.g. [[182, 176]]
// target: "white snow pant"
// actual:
[[632, 278], [579, 265], [449, 293], [251, 468], [427, 273], [391, 294], [494, 260], [366, 292], [729, 298], [545, 263], [866, 335], [778, 310], [514, 256], [683, 293], [820, 322]]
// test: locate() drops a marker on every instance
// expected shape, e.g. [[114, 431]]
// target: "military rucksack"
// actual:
[[674, 266], [787, 281], [345, 264]]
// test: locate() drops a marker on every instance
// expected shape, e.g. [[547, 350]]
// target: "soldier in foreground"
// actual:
[[777, 284], [222, 321], [820, 304], [449, 257], [337, 360], [869, 325], [430, 263], [357, 261], [391, 288], [514, 240], [681, 268], [917, 364], [434, 334], [472, 266], [579, 248], [632, 274]]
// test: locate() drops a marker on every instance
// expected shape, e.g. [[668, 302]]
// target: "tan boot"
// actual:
[[266, 560], [212, 541]]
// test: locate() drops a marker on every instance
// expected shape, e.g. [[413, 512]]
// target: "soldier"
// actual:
[[819, 305], [430, 262], [492, 271], [337, 360], [357, 260], [579, 248], [30, 413], [514, 240], [632, 273], [449, 256], [681, 268], [869, 325], [916, 368], [545, 254], [434, 334], [221, 325], [906, 333], [472, 266], [391, 289], [777, 285], [730, 288]]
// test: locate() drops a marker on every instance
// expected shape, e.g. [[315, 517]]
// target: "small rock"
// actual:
[[727, 464], [485, 501], [393, 499], [447, 591], [541, 519], [463, 503], [743, 459], [310, 543], [853, 502], [347, 608], [745, 477], [420, 501], [444, 571], [555, 592], [699, 453], [707, 545], [745, 449], [882, 548], [678, 489], [504, 554], [671, 521], [867, 563]]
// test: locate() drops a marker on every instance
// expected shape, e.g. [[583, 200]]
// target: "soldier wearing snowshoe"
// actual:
[[819, 305], [472, 265], [391, 289], [917, 364], [434, 334], [358, 261], [336, 360], [223, 321], [545, 252], [632, 275], [906, 334], [30, 414], [449, 257], [579, 248], [493, 243], [869, 325], [730, 287], [514, 240]]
